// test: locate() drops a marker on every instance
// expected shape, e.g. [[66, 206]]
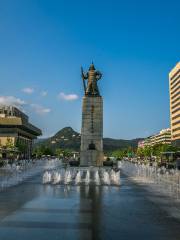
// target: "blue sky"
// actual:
[[133, 43]]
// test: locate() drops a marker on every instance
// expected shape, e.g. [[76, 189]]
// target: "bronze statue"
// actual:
[[92, 76]]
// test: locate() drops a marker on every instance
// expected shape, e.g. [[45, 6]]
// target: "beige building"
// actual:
[[174, 89], [163, 137], [16, 131]]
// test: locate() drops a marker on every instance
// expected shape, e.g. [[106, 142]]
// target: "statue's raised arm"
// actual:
[[84, 76]]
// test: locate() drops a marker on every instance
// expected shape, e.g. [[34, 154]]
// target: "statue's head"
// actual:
[[92, 68]]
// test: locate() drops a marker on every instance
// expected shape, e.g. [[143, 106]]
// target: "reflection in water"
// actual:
[[66, 190], [17, 196], [94, 195], [106, 189], [83, 212]]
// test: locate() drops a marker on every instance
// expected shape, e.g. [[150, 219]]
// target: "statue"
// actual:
[[92, 120], [92, 76]]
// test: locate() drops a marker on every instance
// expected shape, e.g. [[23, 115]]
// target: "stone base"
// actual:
[[92, 132], [91, 158]]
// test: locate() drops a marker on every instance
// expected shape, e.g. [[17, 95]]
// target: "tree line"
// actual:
[[43, 150], [147, 151]]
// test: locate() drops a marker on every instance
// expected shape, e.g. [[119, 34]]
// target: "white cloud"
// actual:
[[40, 109], [11, 100], [44, 93], [17, 102], [28, 90], [67, 97]]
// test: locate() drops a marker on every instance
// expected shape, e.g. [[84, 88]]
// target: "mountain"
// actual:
[[67, 138]]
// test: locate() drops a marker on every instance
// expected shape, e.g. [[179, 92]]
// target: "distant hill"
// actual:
[[67, 138], [111, 144]]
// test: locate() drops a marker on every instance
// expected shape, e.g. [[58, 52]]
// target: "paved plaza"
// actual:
[[36, 211]]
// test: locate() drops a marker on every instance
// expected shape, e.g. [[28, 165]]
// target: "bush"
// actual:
[[108, 163], [1, 163]]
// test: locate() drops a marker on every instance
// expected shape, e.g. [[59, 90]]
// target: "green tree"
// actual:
[[67, 153], [59, 152], [9, 143], [140, 152], [42, 150], [147, 151], [119, 153], [37, 152], [130, 151], [47, 151], [22, 147], [156, 150]]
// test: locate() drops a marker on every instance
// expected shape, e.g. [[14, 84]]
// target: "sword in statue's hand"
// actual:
[[83, 78]]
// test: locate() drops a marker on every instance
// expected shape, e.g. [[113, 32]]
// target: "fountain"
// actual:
[[160, 179], [73, 176], [106, 178], [117, 178], [78, 178], [56, 178], [67, 177], [47, 177], [113, 176], [87, 178], [97, 178], [119, 164]]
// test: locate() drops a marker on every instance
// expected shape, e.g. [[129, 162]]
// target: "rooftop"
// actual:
[[12, 117]]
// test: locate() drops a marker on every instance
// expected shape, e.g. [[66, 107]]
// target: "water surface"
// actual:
[[35, 211]]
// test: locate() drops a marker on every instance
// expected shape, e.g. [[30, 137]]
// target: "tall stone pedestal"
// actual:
[[92, 131]]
